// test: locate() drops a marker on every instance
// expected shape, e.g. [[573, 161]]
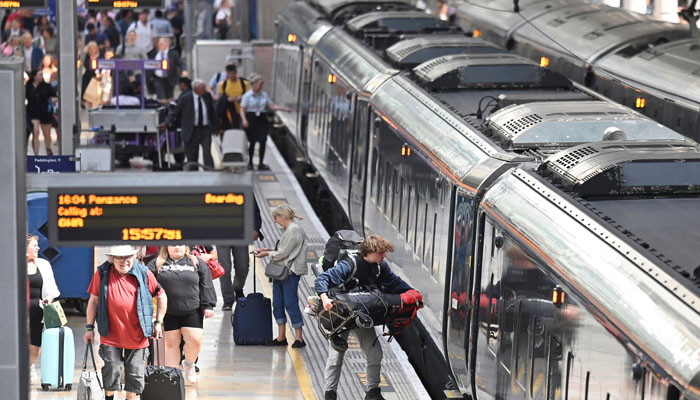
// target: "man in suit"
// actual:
[[33, 54], [195, 110], [165, 81]]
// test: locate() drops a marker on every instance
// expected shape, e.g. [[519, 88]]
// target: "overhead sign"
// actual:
[[23, 4], [84, 216], [124, 3]]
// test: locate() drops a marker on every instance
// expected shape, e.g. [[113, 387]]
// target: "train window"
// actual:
[[554, 374], [539, 361], [673, 393], [493, 240], [569, 366], [654, 387], [521, 345], [507, 321], [425, 229], [395, 198], [491, 317], [408, 213], [435, 265], [387, 187], [417, 244], [380, 180], [373, 175], [400, 188]]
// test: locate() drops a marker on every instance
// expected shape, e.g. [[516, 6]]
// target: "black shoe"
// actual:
[[250, 166], [330, 395], [263, 167], [227, 307], [374, 394], [276, 342], [239, 294], [298, 345]]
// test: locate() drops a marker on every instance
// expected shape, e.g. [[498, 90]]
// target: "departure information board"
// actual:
[[109, 216], [124, 3], [23, 4]]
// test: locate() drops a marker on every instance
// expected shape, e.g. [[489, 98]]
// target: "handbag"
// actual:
[[54, 317], [217, 271], [93, 92], [89, 385], [276, 271]]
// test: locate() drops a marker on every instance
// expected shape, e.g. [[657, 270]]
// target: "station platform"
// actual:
[[260, 372]]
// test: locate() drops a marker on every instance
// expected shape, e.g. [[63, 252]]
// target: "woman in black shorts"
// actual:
[[188, 280], [42, 290], [39, 115]]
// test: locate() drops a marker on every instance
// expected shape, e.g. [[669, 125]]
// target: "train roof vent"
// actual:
[[331, 6], [397, 22], [413, 51], [569, 123], [486, 71], [627, 168]]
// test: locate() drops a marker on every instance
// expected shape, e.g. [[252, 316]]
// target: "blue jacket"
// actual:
[[37, 56], [144, 302], [335, 276]]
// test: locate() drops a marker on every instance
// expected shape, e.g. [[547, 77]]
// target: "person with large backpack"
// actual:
[[371, 272], [231, 92]]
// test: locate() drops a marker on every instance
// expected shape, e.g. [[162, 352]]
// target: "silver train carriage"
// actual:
[[631, 58], [410, 151]]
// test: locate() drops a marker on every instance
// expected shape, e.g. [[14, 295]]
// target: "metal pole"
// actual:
[[14, 357], [67, 74], [189, 33], [244, 18]]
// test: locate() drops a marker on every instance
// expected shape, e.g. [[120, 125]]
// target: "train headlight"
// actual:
[[544, 62]]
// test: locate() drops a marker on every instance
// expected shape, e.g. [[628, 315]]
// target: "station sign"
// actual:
[[23, 3], [84, 216], [124, 3]]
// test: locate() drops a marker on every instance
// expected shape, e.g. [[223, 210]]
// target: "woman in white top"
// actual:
[[254, 104], [42, 291]]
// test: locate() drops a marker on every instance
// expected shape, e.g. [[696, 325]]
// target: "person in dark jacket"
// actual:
[[231, 291], [39, 95], [195, 111], [186, 280], [121, 303], [371, 272]]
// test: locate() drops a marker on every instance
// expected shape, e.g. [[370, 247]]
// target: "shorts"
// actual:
[[134, 363], [195, 319], [36, 314]]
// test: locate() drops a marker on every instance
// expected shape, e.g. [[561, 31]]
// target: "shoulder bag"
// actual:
[[89, 386], [277, 271], [217, 271]]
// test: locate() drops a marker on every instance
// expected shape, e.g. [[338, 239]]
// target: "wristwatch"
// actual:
[[158, 322], [90, 327]]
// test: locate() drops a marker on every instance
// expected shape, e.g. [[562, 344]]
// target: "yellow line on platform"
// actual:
[[305, 385]]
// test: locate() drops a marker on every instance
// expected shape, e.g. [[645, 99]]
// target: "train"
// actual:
[[553, 264], [635, 60]]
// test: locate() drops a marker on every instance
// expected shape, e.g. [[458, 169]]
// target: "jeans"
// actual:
[[285, 297], [241, 266], [372, 349], [134, 363]]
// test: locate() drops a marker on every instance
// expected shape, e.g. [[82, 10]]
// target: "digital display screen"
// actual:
[[23, 4], [124, 3], [110, 216]]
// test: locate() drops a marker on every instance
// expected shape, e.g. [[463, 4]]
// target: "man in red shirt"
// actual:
[[121, 293]]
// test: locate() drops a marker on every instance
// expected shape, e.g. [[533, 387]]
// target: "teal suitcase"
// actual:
[[57, 358]]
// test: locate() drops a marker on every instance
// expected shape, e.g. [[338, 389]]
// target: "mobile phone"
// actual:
[[254, 252]]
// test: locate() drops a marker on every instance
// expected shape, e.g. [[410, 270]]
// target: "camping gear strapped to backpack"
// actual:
[[337, 246], [226, 113]]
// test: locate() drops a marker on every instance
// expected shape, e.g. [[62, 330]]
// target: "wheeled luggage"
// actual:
[[234, 146], [162, 382], [57, 358], [252, 319]]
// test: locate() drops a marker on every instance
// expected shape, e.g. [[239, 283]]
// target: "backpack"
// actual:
[[341, 240], [223, 109]]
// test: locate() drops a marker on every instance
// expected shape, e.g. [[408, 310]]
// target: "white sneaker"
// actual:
[[190, 372], [33, 377]]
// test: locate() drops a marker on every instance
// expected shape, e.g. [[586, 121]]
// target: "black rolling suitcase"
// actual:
[[162, 382], [252, 318]]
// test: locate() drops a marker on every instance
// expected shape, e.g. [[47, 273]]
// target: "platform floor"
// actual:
[[257, 372]]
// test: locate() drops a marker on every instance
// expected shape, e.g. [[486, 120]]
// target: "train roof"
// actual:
[[672, 68], [330, 7], [302, 20], [649, 191], [567, 123], [465, 71], [416, 50], [593, 30]]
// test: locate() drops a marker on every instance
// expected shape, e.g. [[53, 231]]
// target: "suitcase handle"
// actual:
[[88, 348]]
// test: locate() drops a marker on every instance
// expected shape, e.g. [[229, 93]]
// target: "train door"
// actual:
[[460, 288], [358, 168]]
